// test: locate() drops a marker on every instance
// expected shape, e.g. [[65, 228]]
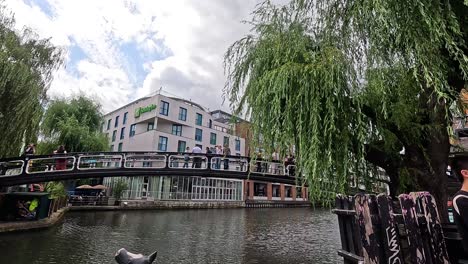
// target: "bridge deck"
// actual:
[[33, 169]]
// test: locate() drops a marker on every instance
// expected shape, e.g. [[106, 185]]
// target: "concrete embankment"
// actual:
[[31, 225]]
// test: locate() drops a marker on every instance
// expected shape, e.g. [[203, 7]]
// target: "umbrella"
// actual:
[[86, 186], [99, 187]]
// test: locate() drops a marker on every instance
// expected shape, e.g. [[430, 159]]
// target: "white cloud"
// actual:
[[178, 44]]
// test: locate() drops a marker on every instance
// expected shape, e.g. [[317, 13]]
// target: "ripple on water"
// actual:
[[296, 235]]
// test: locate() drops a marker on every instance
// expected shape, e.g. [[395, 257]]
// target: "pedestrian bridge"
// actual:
[[57, 167]]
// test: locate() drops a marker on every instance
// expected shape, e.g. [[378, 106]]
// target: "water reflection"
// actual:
[[295, 235]]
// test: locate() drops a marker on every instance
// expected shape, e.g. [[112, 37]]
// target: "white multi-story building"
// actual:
[[167, 124], [161, 123]]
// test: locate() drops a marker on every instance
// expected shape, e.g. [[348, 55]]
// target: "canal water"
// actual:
[[293, 236]]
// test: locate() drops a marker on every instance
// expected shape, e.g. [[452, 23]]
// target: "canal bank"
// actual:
[[25, 225], [269, 235]]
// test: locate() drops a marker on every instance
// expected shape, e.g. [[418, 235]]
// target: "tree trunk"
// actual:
[[427, 159]]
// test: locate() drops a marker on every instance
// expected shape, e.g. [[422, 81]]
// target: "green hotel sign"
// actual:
[[142, 110]]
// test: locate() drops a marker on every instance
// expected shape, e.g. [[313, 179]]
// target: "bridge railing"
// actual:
[[42, 164], [229, 164], [11, 168], [197, 162], [94, 162], [268, 167], [156, 161]]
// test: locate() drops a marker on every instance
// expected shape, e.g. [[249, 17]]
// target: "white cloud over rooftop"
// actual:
[[120, 50]]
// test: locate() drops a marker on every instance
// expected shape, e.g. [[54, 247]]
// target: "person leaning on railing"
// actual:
[[226, 152]]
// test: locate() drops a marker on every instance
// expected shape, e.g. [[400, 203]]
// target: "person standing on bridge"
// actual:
[[196, 160], [460, 199], [30, 149], [60, 164], [186, 157], [226, 152]]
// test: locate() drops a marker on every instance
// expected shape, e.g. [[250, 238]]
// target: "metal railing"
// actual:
[[41, 165], [138, 160], [268, 167], [197, 162]]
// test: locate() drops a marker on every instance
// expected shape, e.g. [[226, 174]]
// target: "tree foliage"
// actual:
[[55, 190], [352, 83], [26, 66], [74, 123], [119, 188]]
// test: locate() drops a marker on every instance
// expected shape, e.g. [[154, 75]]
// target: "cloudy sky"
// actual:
[[120, 50]]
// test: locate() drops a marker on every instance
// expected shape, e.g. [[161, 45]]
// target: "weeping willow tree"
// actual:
[[351, 84], [75, 123], [26, 67]]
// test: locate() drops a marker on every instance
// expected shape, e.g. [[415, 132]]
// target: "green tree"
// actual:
[[26, 66], [119, 188], [351, 84], [55, 190], [74, 123]]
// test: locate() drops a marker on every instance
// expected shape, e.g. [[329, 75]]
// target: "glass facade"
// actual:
[[177, 130], [198, 134], [199, 120], [164, 108], [180, 188], [182, 114], [162, 144]]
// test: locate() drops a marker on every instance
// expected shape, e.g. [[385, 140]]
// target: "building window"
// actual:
[[210, 123], [199, 120], [116, 124], [177, 130], [198, 134], [226, 141], [181, 145], [111, 148], [122, 133], [150, 126], [164, 108], [120, 147], [132, 130], [109, 123], [125, 118], [238, 145], [182, 114], [162, 145], [114, 134], [213, 138]]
